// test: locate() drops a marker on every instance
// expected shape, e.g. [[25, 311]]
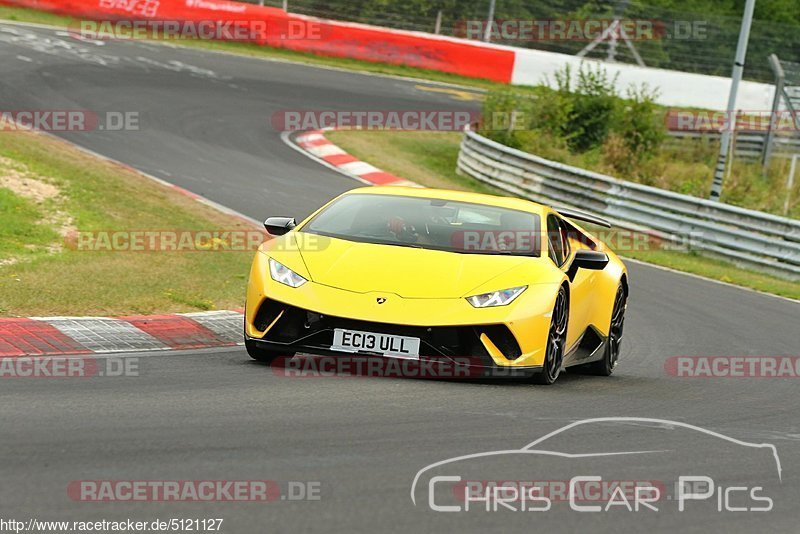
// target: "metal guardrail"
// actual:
[[749, 144], [749, 238]]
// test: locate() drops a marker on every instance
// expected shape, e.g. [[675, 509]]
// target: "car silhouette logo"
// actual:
[[381, 300]]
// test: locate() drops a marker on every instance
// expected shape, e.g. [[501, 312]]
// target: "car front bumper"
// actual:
[[301, 319]]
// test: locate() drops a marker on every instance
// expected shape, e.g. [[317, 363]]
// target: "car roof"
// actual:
[[448, 194]]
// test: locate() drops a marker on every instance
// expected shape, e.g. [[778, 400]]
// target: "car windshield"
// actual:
[[427, 223]]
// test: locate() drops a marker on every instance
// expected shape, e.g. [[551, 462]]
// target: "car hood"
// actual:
[[408, 272]]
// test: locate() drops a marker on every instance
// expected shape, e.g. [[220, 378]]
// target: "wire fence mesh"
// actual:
[[684, 40]]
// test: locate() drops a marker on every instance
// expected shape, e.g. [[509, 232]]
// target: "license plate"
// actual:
[[386, 344]]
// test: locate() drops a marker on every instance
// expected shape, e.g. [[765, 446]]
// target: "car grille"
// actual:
[[311, 329]]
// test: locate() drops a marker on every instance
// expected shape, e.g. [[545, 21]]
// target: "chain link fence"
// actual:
[[792, 81], [685, 40]]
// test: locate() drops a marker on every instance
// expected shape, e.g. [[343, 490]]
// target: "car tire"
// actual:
[[556, 341], [264, 355], [606, 365]]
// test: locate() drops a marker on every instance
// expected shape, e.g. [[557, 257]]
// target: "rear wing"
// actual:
[[585, 217]]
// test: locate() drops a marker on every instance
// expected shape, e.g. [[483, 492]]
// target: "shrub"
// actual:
[[594, 101], [640, 123], [504, 113]]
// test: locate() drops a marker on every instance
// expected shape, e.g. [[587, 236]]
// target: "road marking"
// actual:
[[144, 44], [455, 94]]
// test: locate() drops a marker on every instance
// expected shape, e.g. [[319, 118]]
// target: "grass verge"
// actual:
[[429, 158], [49, 190]]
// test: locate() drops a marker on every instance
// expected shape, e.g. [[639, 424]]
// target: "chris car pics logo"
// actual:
[[547, 478]]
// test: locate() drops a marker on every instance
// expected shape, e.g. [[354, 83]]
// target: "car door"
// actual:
[[562, 253]]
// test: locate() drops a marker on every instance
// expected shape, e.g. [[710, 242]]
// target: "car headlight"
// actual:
[[284, 275], [496, 298]]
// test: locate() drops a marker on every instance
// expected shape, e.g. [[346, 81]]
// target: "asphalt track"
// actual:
[[216, 415]]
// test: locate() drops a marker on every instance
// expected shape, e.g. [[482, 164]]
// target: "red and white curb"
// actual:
[[42, 336], [315, 144]]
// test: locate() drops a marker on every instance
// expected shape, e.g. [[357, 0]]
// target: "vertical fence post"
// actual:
[[438, 27], [736, 77], [487, 36], [780, 79], [790, 184], [734, 126]]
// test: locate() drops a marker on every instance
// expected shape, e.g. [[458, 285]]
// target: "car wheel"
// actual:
[[606, 366], [556, 341], [264, 355]]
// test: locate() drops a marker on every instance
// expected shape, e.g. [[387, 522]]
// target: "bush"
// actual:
[[640, 122], [594, 101], [505, 113], [580, 114], [581, 121]]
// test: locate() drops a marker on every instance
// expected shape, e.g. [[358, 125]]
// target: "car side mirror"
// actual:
[[592, 260], [279, 225]]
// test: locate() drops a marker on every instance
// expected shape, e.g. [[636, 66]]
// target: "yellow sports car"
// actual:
[[500, 284]]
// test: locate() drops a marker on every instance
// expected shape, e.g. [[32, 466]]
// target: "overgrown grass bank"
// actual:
[[588, 121], [50, 190]]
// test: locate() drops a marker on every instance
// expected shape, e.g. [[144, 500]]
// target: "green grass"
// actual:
[[431, 165], [430, 160], [21, 14], [20, 233], [39, 275]]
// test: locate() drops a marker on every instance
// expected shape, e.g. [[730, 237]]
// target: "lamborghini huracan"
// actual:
[[497, 283]]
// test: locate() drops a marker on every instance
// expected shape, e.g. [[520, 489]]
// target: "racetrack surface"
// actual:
[[217, 415]]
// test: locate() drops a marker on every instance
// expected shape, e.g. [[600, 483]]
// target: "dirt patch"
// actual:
[[19, 180]]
